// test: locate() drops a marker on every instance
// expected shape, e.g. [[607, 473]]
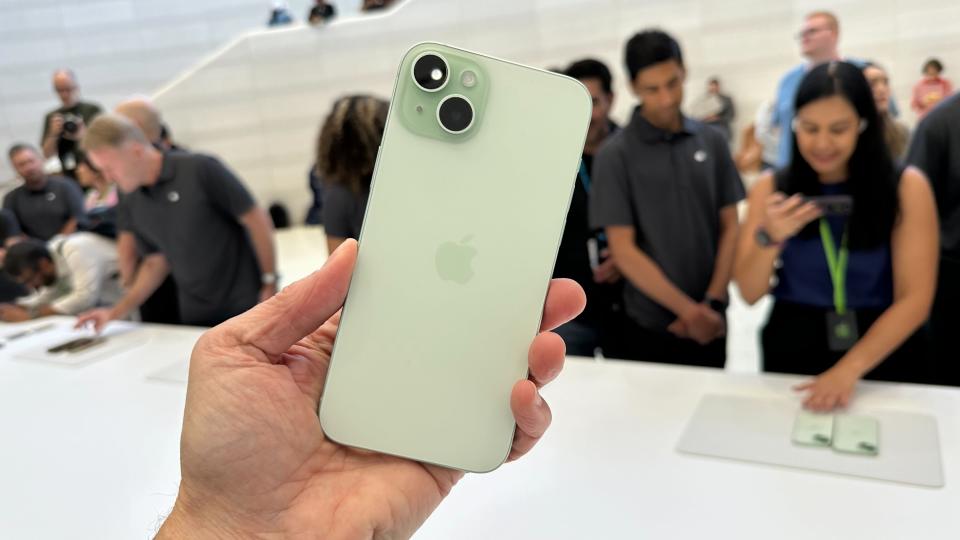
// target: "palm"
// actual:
[[292, 462]]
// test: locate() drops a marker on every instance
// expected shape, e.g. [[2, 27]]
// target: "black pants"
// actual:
[[794, 340], [162, 306], [644, 344], [943, 325]]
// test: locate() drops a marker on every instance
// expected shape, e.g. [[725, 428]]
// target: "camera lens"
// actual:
[[455, 114], [430, 72]]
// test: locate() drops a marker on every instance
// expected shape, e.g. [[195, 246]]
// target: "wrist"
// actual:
[[717, 303], [852, 366], [187, 521], [687, 309], [182, 524]]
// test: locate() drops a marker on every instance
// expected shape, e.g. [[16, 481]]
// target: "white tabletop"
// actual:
[[92, 452]]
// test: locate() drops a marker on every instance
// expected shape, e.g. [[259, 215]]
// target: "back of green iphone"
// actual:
[[813, 429], [856, 435], [466, 211]]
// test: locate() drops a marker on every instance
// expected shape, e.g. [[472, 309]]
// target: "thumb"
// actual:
[[299, 309]]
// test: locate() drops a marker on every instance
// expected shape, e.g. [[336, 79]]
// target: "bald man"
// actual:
[[142, 112], [63, 127]]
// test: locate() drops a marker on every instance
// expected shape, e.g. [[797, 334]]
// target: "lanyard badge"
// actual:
[[842, 333]]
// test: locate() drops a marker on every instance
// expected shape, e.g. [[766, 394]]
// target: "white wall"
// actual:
[[116, 47], [259, 104]]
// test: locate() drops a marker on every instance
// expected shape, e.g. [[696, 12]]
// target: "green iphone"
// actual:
[[468, 202], [856, 435], [813, 429]]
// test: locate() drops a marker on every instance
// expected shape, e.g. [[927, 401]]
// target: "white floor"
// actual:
[[301, 250]]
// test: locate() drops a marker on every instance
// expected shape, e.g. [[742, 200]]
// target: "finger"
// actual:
[[803, 386], [81, 321], [546, 358], [775, 199], [844, 401], [300, 308], [533, 417], [795, 201], [808, 213], [565, 300]]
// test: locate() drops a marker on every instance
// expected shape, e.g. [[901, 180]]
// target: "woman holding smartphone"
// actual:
[[851, 290]]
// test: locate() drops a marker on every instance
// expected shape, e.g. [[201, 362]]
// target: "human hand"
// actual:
[[254, 458], [55, 125], [832, 388], [785, 217], [607, 271], [99, 317], [699, 323]]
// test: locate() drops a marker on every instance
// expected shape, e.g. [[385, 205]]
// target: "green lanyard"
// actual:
[[837, 263]]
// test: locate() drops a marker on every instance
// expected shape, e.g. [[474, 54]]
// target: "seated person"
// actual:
[[69, 274]]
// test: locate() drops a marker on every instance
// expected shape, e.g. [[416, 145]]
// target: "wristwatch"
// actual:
[[764, 239], [269, 278], [720, 306]]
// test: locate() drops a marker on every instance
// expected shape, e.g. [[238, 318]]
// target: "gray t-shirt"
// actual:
[[670, 187], [43, 213], [191, 215], [342, 211]]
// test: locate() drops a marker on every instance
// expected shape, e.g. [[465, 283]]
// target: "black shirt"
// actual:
[[343, 211], [936, 151], [43, 213], [573, 258], [670, 187], [191, 216], [8, 226]]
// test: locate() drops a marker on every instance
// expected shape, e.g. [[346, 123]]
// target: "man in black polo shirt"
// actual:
[[161, 306], [63, 127], [44, 206], [583, 255], [666, 190], [191, 217], [936, 150]]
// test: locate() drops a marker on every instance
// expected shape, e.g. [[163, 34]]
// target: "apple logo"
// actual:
[[455, 261]]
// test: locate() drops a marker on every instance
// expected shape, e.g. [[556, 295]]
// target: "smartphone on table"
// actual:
[[470, 193]]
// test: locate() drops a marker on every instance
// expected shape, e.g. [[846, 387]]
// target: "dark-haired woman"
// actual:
[[851, 290], [346, 154]]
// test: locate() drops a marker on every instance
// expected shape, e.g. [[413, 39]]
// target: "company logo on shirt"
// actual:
[[700, 156], [173, 196], [51, 197]]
